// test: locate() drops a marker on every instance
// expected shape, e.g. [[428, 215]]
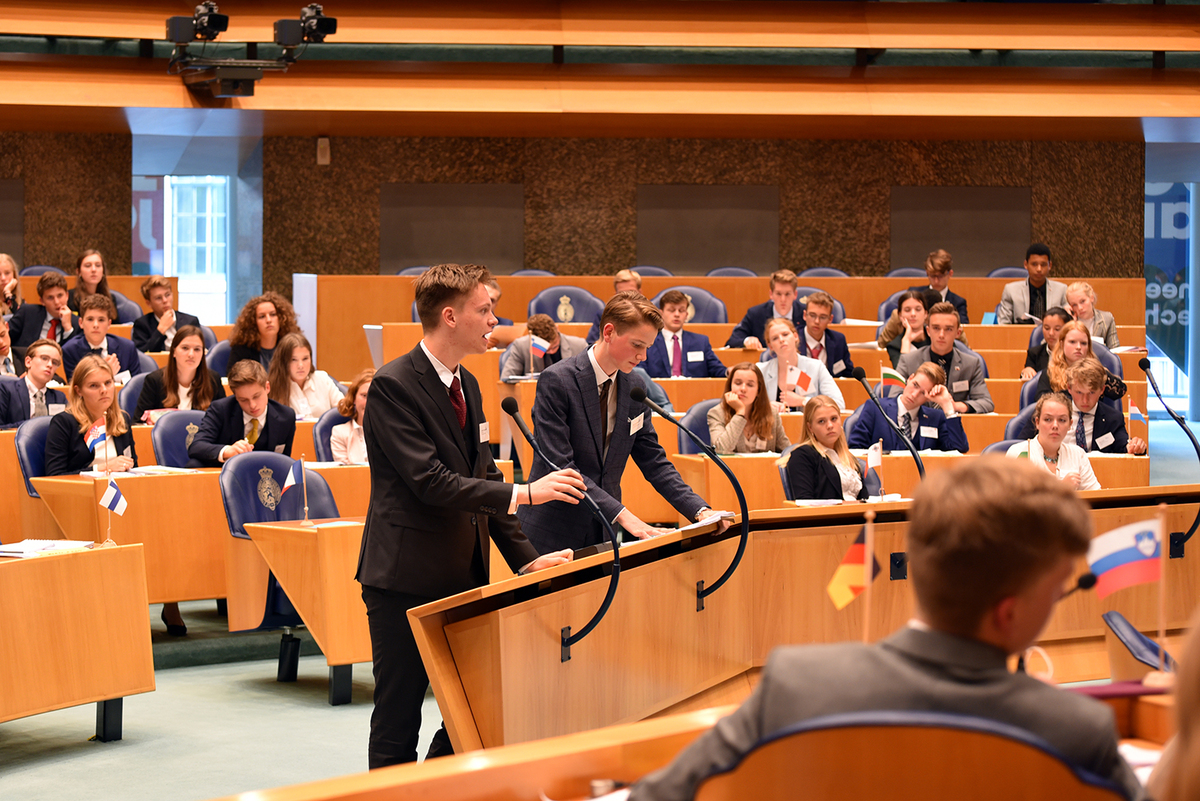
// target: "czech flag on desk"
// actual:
[[847, 582], [1126, 556], [95, 435], [112, 499]]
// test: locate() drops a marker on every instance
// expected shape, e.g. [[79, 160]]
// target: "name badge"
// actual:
[[279, 448], [838, 366], [695, 356], [1105, 441], [635, 424], [128, 452], [960, 386], [56, 408], [929, 432], [122, 377], [793, 375], [484, 432]]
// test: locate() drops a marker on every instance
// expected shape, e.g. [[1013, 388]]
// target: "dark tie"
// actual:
[[457, 401], [39, 404], [604, 414], [676, 357], [1080, 435], [98, 352]]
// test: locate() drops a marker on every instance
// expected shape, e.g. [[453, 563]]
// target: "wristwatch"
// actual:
[[703, 513]]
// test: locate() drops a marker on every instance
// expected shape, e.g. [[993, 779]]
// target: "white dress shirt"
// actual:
[[347, 443], [319, 394], [1071, 459]]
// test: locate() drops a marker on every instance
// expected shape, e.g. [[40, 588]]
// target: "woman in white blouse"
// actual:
[[1052, 448], [785, 376], [295, 382], [186, 382], [346, 440], [744, 421]]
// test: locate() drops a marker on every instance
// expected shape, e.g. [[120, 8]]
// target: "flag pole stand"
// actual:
[[868, 571], [304, 488], [1160, 677], [108, 540]]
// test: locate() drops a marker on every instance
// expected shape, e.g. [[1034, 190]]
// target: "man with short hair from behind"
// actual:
[[96, 316], [1027, 301], [521, 358], [623, 281], [245, 420], [154, 331], [782, 303], [50, 319], [30, 396], [991, 546], [1094, 426], [964, 371], [677, 353]]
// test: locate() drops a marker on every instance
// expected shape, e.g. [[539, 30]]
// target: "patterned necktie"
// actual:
[[39, 404], [1080, 434], [7, 369], [604, 388], [98, 352], [676, 357], [815, 351], [458, 402], [252, 437]]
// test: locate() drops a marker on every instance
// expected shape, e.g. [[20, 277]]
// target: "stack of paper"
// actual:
[[26, 548]]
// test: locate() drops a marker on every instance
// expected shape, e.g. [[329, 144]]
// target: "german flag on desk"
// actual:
[[847, 582]]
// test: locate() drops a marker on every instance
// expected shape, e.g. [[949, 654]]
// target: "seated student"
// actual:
[[90, 279], [247, 421], [939, 268], [1037, 358], [744, 421], [904, 331], [1101, 325], [1052, 449], [10, 364], [1024, 302], [155, 330], [520, 359], [822, 467], [22, 400], [186, 382], [96, 316], [1074, 345], [297, 383], [818, 342], [678, 353], [784, 342], [990, 547], [10, 285], [783, 304], [93, 400], [346, 439], [1094, 426], [930, 429], [964, 371], [51, 319], [623, 281], [259, 327], [493, 290]]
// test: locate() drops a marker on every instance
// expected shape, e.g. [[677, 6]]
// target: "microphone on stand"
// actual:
[[1177, 538], [1084, 582], [861, 376]]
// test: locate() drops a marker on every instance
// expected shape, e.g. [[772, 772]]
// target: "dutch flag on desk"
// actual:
[[1126, 556], [95, 435], [112, 499]]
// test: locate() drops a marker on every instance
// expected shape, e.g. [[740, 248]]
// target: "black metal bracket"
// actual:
[[341, 682], [565, 655], [700, 595], [1178, 538], [899, 566], [108, 719]]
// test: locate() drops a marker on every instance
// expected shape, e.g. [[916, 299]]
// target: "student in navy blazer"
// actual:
[[1106, 421], [28, 321], [940, 269], [698, 359], [834, 352], [151, 330], [42, 360], [93, 398], [97, 313], [936, 429], [226, 429], [783, 303]]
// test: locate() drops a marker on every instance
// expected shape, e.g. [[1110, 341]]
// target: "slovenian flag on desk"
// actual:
[[95, 435], [538, 346], [1126, 556], [112, 499]]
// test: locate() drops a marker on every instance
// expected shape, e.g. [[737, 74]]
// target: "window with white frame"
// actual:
[[196, 249]]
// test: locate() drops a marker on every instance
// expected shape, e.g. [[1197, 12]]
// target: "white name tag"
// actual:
[[960, 386], [1105, 441], [635, 424], [929, 432], [128, 452], [838, 366], [122, 377], [793, 374], [279, 448], [695, 356], [484, 432], [56, 408]]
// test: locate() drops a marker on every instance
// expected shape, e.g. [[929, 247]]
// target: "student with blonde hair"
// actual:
[[93, 400], [822, 465], [1074, 345], [10, 285], [1100, 324]]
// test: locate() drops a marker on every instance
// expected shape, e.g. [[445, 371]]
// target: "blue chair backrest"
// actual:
[[566, 304], [532, 272], [1036, 337], [147, 362], [1009, 272], [504, 354], [823, 272], [890, 305], [41, 269], [732, 272], [416, 318], [839, 311], [1002, 446], [127, 310], [707, 307], [1014, 427], [1108, 359], [649, 269], [1029, 391], [172, 434], [31, 450], [696, 421], [252, 496], [218, 357], [906, 272], [209, 336], [321, 431], [1143, 649], [958, 344], [783, 473], [848, 426], [127, 399], [412, 270]]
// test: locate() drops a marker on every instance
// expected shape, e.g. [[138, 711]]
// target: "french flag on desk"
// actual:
[[538, 346], [1126, 556], [95, 435], [112, 499], [291, 480]]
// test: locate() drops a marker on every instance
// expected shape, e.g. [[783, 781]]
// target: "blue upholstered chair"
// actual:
[[870, 477], [1013, 428], [127, 398], [696, 421], [708, 307], [1036, 337], [209, 336], [1143, 649], [412, 270], [147, 362], [41, 269], [1009, 272], [822, 272], [416, 318], [839, 311], [580, 305], [958, 344], [218, 357], [127, 310], [890, 305], [172, 434], [533, 272], [321, 431], [1029, 391], [732, 272], [649, 269], [1109, 359], [1002, 446], [31, 450], [783, 474], [907, 272]]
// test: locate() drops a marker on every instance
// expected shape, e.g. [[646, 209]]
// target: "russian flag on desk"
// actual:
[[847, 582], [538, 345], [112, 499], [1126, 556]]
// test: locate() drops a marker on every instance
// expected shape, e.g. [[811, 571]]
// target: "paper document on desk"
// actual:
[[102, 474], [159, 470], [818, 502], [26, 548], [714, 517]]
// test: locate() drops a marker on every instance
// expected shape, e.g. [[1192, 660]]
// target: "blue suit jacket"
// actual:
[[14, 402], [871, 427], [960, 303], [756, 319], [78, 347], [26, 326], [222, 425], [1108, 421], [836, 351], [658, 364]]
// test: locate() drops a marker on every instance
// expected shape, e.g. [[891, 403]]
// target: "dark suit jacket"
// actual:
[[239, 353], [222, 425], [146, 336], [436, 494], [26, 325], [658, 363], [1038, 357], [836, 350], [78, 347], [813, 476], [18, 360], [154, 393], [910, 670], [755, 321], [1107, 421], [960, 303], [14, 402], [566, 421], [66, 451], [871, 427]]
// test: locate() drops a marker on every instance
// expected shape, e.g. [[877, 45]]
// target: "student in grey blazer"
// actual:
[[1015, 303], [1082, 298], [966, 524], [964, 371], [562, 346]]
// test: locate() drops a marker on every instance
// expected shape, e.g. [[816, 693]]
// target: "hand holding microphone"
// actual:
[[559, 485]]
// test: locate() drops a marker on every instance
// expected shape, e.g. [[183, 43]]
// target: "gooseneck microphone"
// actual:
[[513, 410], [638, 395], [861, 376], [1175, 536], [1084, 582]]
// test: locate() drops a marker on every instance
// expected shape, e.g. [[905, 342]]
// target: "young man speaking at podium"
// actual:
[[436, 498]]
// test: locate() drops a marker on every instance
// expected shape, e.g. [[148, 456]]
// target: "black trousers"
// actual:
[[400, 681]]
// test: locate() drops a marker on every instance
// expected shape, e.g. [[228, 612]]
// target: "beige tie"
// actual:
[[39, 404], [252, 437]]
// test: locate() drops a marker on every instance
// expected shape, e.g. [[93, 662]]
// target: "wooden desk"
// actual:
[[1009, 363], [74, 633]]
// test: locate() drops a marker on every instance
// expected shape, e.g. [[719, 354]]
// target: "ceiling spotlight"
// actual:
[[316, 25], [208, 22]]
